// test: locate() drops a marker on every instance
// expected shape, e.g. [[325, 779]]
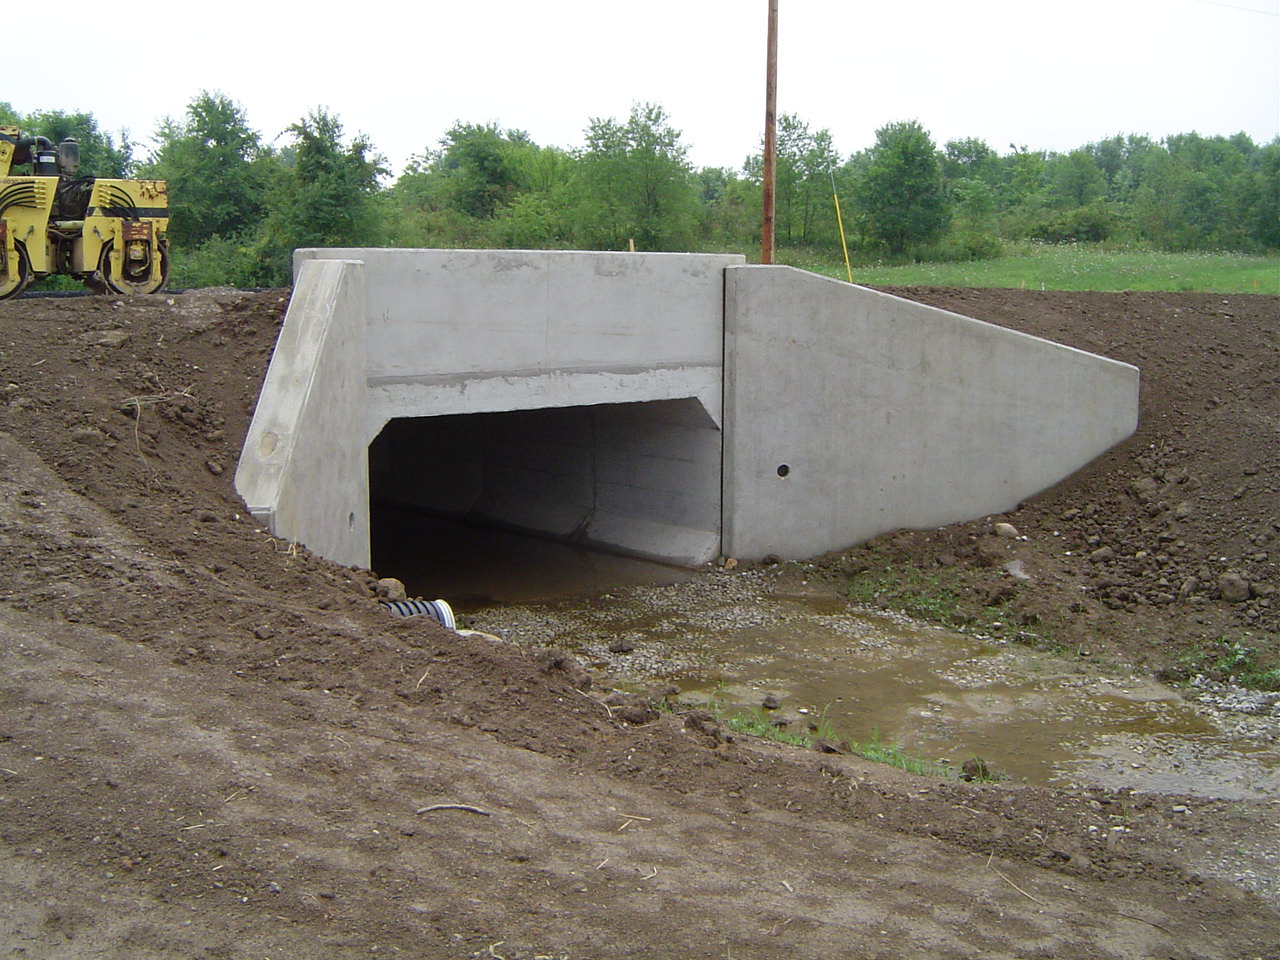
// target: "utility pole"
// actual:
[[770, 134]]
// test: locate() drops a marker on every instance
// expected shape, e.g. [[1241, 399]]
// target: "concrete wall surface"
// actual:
[[473, 331], [638, 477], [883, 413], [303, 471]]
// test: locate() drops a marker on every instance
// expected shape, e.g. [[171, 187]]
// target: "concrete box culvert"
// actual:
[[677, 406]]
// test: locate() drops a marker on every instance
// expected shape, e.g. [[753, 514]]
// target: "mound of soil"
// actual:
[[215, 745]]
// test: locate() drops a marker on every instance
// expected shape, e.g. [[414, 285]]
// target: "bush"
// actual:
[[1091, 224], [967, 246], [232, 262]]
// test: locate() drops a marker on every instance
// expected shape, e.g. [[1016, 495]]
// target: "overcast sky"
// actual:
[[1045, 74]]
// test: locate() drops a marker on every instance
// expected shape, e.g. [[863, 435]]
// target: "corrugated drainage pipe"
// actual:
[[437, 610]]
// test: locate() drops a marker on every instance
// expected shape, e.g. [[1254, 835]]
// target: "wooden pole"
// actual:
[[770, 135]]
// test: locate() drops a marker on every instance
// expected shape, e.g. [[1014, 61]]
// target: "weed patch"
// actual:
[[1235, 661], [936, 598], [756, 722], [892, 754]]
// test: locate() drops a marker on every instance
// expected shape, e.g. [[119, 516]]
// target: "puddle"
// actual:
[[946, 697], [941, 696]]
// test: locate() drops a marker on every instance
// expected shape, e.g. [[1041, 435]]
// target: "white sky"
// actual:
[[1047, 74]]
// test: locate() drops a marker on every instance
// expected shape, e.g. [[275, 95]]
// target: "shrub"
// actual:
[[1091, 224]]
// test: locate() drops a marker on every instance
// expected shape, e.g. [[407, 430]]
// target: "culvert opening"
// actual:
[[526, 505]]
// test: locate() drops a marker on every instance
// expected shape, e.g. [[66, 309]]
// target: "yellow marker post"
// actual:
[[840, 223]]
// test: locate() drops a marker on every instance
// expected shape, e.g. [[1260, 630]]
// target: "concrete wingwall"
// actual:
[[676, 406], [849, 413], [303, 471]]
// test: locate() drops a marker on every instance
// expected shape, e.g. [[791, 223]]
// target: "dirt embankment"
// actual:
[[215, 745]]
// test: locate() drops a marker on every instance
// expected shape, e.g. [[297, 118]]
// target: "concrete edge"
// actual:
[[319, 356]]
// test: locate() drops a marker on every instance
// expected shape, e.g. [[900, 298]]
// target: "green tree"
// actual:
[[1134, 151], [804, 162], [324, 194], [1263, 216], [1206, 193], [483, 163], [970, 159], [1074, 180], [728, 207], [1023, 179], [483, 186], [900, 193], [475, 170], [975, 203], [635, 182], [216, 169], [1109, 157]]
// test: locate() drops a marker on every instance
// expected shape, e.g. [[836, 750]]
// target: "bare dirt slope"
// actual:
[[214, 745]]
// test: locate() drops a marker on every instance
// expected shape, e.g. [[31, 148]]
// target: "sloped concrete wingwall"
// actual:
[[849, 413], [303, 470]]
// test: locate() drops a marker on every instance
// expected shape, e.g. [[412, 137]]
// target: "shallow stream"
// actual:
[[940, 695]]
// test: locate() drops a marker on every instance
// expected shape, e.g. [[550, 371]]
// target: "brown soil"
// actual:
[[215, 745]]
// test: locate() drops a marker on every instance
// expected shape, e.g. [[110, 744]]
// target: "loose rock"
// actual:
[[1233, 588], [389, 588]]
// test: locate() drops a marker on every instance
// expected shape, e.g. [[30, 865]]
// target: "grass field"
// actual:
[[1031, 266]]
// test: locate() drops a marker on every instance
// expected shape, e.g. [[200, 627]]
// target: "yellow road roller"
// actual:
[[110, 234]]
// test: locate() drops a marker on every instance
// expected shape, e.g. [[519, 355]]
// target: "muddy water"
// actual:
[[941, 696], [947, 697]]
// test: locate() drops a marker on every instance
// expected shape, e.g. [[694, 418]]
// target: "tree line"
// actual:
[[240, 206]]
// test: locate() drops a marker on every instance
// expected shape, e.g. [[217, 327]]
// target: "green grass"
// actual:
[[935, 597], [1032, 266], [756, 722], [893, 755], [1234, 661], [945, 597]]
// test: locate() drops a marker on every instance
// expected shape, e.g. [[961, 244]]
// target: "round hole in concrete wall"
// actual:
[[783, 470]]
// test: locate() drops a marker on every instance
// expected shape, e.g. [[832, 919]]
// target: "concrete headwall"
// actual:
[[849, 413], [471, 331], [616, 342], [303, 469]]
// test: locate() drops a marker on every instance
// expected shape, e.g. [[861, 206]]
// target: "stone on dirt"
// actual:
[[1017, 569], [1233, 588], [389, 588], [975, 769]]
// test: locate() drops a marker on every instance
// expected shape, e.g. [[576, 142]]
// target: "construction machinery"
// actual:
[[111, 234]]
